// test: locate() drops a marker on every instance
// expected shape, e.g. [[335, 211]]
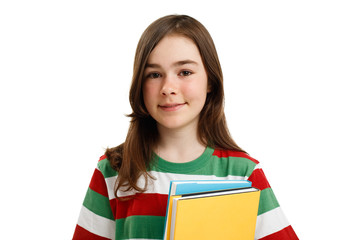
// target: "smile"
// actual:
[[171, 107]]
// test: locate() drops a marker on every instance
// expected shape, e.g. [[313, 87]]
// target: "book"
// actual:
[[178, 187], [215, 209]]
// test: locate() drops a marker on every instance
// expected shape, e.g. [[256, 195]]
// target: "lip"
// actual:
[[171, 107]]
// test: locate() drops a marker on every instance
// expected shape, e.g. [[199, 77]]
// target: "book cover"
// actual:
[[220, 215], [185, 186], [180, 187]]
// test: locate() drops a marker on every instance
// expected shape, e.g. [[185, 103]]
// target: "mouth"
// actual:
[[171, 107]]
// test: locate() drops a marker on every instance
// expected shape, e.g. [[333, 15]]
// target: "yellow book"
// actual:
[[179, 188], [226, 215]]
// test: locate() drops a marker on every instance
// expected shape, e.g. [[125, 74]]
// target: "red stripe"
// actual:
[[284, 234], [83, 234], [258, 179], [228, 153], [98, 183], [142, 204], [102, 158]]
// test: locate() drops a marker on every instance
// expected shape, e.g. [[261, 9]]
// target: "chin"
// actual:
[[174, 124], [170, 125]]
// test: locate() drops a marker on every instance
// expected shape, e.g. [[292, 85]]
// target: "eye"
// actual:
[[153, 75], [185, 73]]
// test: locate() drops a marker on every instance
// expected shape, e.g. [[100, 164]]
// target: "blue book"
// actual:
[[180, 187], [183, 187]]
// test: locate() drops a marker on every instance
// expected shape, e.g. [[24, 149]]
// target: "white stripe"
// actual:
[[161, 183], [96, 224], [257, 166], [270, 222]]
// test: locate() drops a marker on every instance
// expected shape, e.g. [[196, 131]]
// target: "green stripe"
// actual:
[[207, 164], [267, 201], [106, 169], [161, 165], [98, 204], [235, 166], [139, 227]]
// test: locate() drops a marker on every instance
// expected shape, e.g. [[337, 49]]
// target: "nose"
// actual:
[[169, 87]]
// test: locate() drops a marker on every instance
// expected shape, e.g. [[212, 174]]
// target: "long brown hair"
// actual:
[[132, 158]]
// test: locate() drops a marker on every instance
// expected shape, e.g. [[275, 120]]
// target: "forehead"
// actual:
[[173, 48]]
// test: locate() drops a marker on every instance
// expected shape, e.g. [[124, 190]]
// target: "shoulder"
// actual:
[[234, 163], [221, 153], [105, 167]]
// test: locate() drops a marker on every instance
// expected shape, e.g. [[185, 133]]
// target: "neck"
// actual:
[[179, 145]]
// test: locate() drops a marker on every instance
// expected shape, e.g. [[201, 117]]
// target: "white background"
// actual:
[[292, 72]]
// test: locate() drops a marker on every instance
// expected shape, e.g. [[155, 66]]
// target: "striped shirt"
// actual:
[[103, 216]]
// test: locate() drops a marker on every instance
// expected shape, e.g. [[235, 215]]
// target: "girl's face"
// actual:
[[175, 85]]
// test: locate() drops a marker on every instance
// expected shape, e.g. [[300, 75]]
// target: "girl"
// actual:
[[177, 131]]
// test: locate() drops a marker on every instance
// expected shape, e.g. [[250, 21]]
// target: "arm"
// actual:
[[96, 220], [271, 221]]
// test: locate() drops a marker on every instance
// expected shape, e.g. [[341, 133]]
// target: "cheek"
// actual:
[[198, 90], [147, 94], [150, 95]]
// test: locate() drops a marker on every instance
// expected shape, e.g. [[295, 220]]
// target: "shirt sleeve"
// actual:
[[271, 222], [96, 220]]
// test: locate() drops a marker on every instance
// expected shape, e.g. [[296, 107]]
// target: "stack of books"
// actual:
[[211, 209]]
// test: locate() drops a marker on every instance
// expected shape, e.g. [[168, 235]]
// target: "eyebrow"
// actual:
[[176, 64]]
